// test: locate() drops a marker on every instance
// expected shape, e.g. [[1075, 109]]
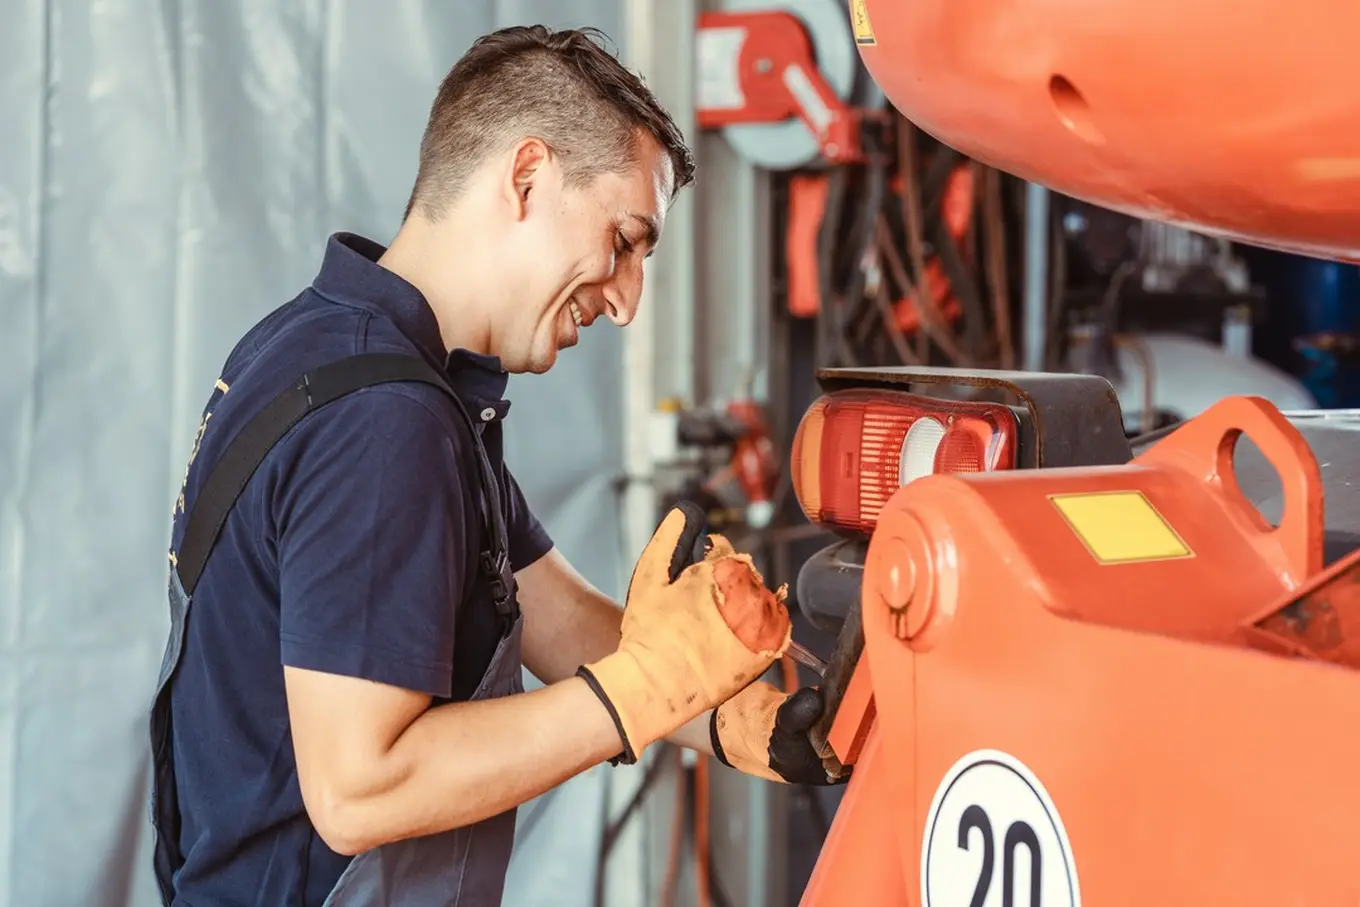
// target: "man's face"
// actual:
[[577, 254]]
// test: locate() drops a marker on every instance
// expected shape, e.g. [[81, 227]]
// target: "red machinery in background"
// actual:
[[767, 63], [880, 235]]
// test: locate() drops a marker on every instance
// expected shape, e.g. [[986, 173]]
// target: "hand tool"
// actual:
[[803, 656]]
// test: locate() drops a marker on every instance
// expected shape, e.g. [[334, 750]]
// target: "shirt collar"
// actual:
[[350, 275]]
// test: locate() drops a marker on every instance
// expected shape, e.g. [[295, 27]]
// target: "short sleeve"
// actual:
[[528, 540], [371, 515]]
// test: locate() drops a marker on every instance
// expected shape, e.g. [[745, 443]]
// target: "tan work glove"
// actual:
[[763, 732], [692, 636]]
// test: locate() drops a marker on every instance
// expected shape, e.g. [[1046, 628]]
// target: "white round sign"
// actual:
[[993, 838]]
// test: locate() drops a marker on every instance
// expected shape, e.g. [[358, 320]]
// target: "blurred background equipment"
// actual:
[[781, 82]]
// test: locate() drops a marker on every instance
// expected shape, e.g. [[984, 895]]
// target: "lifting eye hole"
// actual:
[[1073, 110]]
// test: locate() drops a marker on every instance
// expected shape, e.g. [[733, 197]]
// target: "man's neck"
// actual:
[[423, 255]]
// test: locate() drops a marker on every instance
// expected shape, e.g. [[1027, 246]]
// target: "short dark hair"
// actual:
[[563, 87]]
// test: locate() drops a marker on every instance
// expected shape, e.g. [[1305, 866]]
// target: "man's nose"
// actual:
[[621, 295]]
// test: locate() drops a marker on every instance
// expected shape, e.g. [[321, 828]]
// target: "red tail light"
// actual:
[[855, 448]]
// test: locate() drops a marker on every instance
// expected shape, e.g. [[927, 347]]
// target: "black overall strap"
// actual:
[[310, 392]]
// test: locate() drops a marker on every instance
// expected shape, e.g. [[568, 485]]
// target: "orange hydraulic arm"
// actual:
[[1112, 685], [1233, 117]]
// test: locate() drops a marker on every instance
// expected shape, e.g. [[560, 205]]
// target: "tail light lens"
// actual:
[[855, 448]]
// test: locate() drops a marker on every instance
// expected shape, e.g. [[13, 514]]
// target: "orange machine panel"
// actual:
[[1230, 116], [864, 855], [1080, 673]]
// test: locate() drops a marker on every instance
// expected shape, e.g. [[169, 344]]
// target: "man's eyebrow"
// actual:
[[649, 224]]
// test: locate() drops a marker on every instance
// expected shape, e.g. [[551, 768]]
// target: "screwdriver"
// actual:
[[804, 657]]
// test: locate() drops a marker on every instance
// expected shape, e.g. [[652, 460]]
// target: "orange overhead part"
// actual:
[[1088, 687], [1230, 116]]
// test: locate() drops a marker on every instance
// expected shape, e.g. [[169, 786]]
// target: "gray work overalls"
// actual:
[[465, 866]]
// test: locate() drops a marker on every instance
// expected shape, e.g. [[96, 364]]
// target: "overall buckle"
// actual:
[[497, 569]]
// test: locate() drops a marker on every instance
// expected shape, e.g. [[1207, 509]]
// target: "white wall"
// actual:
[[169, 172]]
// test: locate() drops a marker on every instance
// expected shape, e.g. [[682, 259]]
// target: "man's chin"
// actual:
[[562, 344], [539, 365]]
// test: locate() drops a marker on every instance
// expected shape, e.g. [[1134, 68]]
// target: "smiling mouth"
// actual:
[[576, 315]]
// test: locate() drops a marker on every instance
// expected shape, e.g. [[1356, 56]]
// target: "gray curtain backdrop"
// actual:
[[169, 172]]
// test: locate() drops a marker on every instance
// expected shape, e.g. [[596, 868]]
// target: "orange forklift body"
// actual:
[[1234, 117], [1085, 685]]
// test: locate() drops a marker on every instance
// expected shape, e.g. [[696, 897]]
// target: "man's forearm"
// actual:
[[695, 735], [558, 641], [560, 637], [593, 635], [569, 623], [466, 761]]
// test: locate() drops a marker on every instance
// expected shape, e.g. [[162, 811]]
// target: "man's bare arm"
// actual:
[[376, 764], [568, 623]]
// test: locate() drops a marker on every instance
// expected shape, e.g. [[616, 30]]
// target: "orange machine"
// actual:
[[1114, 684], [1228, 116], [1107, 680]]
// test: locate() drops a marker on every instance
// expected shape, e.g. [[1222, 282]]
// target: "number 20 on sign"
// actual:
[[993, 838]]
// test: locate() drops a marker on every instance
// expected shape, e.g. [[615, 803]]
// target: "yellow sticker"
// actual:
[[1121, 527], [859, 18]]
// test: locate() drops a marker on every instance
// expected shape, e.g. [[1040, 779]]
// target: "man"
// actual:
[[340, 718]]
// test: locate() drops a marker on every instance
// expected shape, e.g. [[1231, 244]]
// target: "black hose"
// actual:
[[865, 233], [612, 830], [828, 320], [963, 286], [935, 180]]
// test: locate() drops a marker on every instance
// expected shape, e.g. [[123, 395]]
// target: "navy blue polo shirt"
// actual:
[[351, 551]]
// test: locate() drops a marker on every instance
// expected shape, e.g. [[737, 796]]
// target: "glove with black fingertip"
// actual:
[[763, 731]]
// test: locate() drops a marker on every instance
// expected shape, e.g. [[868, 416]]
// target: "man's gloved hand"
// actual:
[[763, 731], [692, 636]]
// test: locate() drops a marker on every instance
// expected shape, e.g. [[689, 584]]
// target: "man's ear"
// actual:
[[528, 165]]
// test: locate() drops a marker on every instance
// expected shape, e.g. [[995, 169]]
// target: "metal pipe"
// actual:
[[639, 351], [650, 47], [625, 873], [1035, 315], [670, 72]]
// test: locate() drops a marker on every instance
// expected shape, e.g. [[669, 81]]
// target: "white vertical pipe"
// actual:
[[639, 341], [1035, 316], [673, 271], [659, 44], [625, 871], [733, 205]]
